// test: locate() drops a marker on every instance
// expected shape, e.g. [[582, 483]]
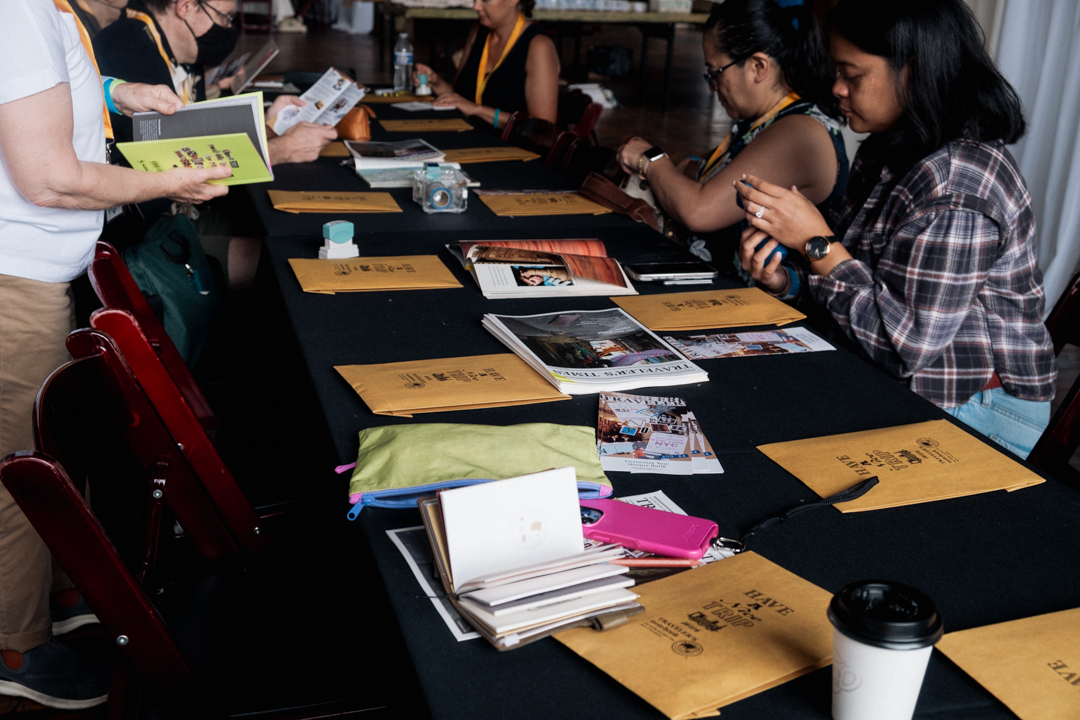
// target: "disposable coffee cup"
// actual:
[[883, 634]]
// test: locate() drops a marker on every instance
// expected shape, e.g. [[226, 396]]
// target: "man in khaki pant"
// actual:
[[54, 185]]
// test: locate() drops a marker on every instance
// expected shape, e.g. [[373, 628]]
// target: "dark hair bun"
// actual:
[[527, 6]]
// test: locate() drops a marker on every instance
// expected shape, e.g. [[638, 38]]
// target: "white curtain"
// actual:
[[1039, 53]]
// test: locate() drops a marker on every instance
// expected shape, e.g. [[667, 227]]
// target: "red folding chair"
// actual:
[[187, 474], [117, 289]]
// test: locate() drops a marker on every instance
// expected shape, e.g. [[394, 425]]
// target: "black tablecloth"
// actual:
[[983, 559]]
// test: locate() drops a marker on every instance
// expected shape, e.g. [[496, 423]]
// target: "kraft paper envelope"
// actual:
[[464, 156], [916, 463], [559, 203], [363, 274], [330, 202], [714, 635], [1031, 665], [334, 149], [461, 383], [741, 307], [437, 125], [372, 98]]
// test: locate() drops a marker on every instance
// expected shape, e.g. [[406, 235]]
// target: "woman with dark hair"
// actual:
[[508, 64], [929, 263], [770, 72]]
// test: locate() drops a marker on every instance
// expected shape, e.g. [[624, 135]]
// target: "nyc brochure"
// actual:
[[542, 268], [591, 351], [328, 101], [637, 433], [704, 346]]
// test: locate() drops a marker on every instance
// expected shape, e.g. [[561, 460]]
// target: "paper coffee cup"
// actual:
[[883, 634]]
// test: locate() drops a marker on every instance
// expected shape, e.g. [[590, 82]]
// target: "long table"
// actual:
[[983, 559]]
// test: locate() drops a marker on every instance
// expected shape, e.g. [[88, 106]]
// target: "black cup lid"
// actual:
[[886, 614]]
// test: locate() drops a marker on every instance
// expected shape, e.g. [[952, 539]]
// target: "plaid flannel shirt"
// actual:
[[944, 287]]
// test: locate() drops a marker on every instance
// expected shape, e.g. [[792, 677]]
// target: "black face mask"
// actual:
[[215, 44]]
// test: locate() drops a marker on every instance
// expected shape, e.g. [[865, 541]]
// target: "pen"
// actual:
[[658, 562]]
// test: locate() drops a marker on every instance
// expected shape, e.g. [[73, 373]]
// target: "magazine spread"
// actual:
[[328, 101], [638, 433], [392, 155], [244, 70], [589, 351], [704, 346], [380, 178], [542, 268]]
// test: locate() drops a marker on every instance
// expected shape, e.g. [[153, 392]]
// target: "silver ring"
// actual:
[[760, 212]]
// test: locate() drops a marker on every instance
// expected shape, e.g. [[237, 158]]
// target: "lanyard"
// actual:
[[721, 151], [481, 76], [63, 6], [183, 83]]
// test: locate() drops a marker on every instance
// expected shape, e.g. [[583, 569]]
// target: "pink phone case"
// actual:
[[655, 531]]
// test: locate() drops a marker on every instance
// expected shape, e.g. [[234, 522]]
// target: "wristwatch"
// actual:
[[818, 247], [652, 155]]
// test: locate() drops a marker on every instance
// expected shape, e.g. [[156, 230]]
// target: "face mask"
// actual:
[[215, 44]]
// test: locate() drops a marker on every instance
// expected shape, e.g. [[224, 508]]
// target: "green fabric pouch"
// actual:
[[398, 463]]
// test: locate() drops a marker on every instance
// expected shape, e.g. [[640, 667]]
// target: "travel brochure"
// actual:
[[643, 434], [591, 351], [705, 346], [328, 100], [542, 268]]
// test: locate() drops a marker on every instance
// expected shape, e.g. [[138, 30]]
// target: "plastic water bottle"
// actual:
[[403, 63]]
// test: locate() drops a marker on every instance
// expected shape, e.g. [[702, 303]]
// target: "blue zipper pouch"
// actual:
[[396, 464]]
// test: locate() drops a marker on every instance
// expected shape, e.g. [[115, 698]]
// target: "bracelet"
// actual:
[[641, 166], [107, 85], [496, 122]]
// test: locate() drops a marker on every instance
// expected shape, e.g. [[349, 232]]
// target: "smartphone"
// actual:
[[671, 271], [780, 250], [641, 528]]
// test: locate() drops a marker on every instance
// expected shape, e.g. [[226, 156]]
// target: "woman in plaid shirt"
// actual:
[[929, 260]]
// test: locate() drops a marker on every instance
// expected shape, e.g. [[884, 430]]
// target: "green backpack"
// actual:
[[171, 269]]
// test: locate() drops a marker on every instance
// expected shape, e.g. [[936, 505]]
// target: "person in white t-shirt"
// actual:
[[54, 187]]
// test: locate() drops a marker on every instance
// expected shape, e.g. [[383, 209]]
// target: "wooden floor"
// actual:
[[693, 125]]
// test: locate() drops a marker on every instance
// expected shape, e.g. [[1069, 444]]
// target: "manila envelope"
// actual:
[[915, 463], [334, 149], [333, 202], [740, 307], [1031, 665], [714, 635], [488, 154], [364, 274], [437, 125], [372, 98], [461, 383], [545, 203]]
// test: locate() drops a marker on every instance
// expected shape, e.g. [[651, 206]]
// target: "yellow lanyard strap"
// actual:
[[63, 6], [720, 153], [481, 76], [182, 82]]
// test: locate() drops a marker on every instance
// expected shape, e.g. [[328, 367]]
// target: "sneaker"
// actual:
[[67, 617], [55, 676]]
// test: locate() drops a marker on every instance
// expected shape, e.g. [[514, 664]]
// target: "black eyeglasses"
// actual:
[[229, 19], [710, 77]]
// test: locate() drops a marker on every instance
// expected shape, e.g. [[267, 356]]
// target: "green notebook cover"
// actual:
[[235, 150]]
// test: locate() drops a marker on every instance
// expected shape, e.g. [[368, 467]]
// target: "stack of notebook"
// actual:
[[507, 598]]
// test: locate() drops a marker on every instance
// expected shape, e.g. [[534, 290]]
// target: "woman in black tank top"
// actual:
[[508, 64]]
